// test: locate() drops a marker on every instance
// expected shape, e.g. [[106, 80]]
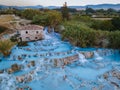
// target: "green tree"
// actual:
[[48, 18], [29, 13], [89, 11], [114, 39], [105, 25], [111, 11], [116, 23], [65, 12]]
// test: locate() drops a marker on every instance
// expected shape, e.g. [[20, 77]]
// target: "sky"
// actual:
[[56, 2]]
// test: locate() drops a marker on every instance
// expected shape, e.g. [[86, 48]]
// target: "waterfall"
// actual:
[[46, 34], [53, 31], [81, 58], [97, 56]]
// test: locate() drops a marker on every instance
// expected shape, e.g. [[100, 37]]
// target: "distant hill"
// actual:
[[99, 6], [53, 7], [3, 6], [21, 7]]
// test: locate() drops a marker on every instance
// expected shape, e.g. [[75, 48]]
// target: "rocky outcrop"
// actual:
[[31, 63], [14, 68], [1, 71], [105, 75], [64, 61], [24, 78], [116, 74], [88, 54], [113, 77]]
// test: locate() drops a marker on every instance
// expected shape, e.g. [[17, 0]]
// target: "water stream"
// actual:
[[53, 64]]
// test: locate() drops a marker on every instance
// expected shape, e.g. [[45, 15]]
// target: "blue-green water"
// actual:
[[82, 74]]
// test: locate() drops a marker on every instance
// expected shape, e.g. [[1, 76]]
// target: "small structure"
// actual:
[[31, 32]]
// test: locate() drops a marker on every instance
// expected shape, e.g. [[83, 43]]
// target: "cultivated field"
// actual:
[[102, 18]]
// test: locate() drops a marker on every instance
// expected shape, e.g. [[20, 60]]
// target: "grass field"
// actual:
[[6, 18]]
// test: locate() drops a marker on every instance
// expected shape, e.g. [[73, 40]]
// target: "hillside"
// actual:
[[99, 6]]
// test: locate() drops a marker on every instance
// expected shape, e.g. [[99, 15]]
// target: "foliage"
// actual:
[[85, 18], [48, 18], [89, 11], [114, 38], [109, 25], [80, 34], [14, 38], [65, 13], [2, 29], [27, 13], [7, 11], [6, 46], [116, 23], [23, 43], [41, 19], [82, 30], [103, 25]]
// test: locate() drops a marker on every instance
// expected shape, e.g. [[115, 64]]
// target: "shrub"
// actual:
[[114, 39], [6, 46], [23, 43], [79, 34]]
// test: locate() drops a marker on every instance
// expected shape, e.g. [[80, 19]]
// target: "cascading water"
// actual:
[[39, 60], [7, 82], [46, 34], [81, 57], [97, 56]]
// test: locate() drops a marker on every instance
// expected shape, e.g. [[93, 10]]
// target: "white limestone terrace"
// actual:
[[83, 73]]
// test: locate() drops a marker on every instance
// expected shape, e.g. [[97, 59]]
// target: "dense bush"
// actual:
[[114, 39], [83, 18], [116, 23], [23, 43], [109, 25], [29, 13], [14, 38], [6, 46], [48, 18], [79, 34], [103, 25]]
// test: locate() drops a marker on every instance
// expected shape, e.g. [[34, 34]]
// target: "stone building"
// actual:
[[30, 32]]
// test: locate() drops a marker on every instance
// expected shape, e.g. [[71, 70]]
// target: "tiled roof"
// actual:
[[31, 27]]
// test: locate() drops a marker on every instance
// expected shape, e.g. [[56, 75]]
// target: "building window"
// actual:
[[37, 32], [26, 32], [36, 38]]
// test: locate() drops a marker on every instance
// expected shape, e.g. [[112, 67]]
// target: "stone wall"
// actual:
[[32, 35]]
